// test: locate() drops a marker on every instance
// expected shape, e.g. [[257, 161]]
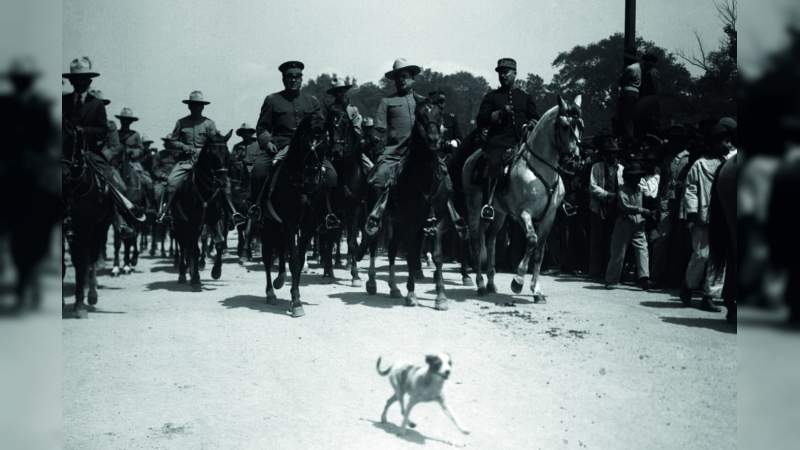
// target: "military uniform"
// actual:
[[190, 136], [395, 120], [505, 129], [281, 113], [243, 156]]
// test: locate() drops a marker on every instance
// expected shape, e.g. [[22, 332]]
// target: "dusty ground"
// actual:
[[159, 367]]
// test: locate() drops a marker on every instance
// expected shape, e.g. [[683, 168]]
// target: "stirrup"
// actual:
[[332, 222], [430, 227], [373, 225], [487, 213], [462, 230], [238, 219], [254, 212]]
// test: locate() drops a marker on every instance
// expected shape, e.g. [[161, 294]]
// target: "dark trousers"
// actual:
[[599, 240]]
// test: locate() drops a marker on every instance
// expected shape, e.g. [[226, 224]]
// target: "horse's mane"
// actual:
[[547, 119]]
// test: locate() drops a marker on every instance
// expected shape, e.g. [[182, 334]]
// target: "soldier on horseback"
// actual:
[[191, 133], [280, 115], [504, 111], [84, 118]]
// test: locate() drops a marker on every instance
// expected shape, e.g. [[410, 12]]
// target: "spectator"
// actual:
[[604, 180]]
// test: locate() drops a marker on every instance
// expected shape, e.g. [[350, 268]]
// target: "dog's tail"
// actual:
[[382, 373]]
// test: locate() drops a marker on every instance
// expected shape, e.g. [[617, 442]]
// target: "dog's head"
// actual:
[[440, 364]]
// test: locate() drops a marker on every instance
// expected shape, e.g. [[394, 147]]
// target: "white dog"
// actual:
[[422, 384]]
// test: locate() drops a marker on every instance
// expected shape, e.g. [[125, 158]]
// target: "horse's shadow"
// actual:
[[166, 269], [379, 300], [470, 294], [68, 313], [174, 286], [259, 303], [411, 435]]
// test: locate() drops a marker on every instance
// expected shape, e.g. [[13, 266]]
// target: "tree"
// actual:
[[594, 70]]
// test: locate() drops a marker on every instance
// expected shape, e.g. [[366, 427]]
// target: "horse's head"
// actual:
[[568, 128], [305, 152], [214, 158], [429, 124]]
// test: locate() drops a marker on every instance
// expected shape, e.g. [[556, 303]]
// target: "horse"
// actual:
[[533, 193], [418, 207], [722, 241], [138, 189], [200, 202], [90, 208], [240, 184], [348, 198], [290, 220]]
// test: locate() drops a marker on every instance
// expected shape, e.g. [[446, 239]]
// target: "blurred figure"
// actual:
[[29, 178]]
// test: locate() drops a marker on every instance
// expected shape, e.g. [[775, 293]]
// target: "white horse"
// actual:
[[532, 195]]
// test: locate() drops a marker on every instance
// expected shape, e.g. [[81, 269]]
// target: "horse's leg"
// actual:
[[135, 256], [80, 262], [219, 245], [413, 246], [352, 243], [266, 259], [477, 230], [394, 292], [180, 263], [240, 245], [326, 243], [441, 297], [298, 251], [278, 243], [545, 227], [91, 278], [463, 252], [372, 287], [117, 243], [491, 247], [194, 257]]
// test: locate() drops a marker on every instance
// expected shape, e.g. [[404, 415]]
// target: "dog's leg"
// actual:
[[407, 412], [403, 410], [449, 414], [389, 402]]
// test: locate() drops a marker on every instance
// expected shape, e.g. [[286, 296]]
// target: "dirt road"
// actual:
[[160, 367]]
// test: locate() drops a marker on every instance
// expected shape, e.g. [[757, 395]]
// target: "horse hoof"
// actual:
[[356, 283], [395, 293], [411, 299], [516, 287], [127, 270], [92, 298], [481, 291], [278, 283], [216, 272], [181, 279], [115, 271], [272, 299], [241, 261], [442, 303], [491, 288], [372, 287], [466, 281], [80, 312], [297, 311], [539, 299]]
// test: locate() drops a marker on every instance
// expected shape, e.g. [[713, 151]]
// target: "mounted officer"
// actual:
[[191, 134], [452, 131], [85, 123], [280, 115], [504, 112]]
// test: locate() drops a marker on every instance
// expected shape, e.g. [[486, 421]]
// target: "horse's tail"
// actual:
[[718, 231], [382, 373]]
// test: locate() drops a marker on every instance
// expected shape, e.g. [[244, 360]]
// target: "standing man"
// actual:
[[694, 209], [191, 134], [605, 178], [280, 115], [504, 111], [394, 121]]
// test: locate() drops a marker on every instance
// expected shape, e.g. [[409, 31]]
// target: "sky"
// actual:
[[152, 53]]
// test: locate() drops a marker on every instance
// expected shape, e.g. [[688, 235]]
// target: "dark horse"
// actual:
[[291, 220], [418, 206], [348, 199], [138, 191], [199, 202], [90, 209]]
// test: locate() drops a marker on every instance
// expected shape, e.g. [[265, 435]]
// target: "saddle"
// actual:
[[481, 172]]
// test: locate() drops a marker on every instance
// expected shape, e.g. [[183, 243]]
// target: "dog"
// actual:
[[422, 384]]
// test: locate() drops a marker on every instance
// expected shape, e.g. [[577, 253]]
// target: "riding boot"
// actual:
[[374, 219], [163, 213], [331, 221], [458, 222], [487, 211], [123, 229], [236, 217]]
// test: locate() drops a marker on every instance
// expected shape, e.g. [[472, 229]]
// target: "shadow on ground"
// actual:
[[716, 324], [411, 435], [259, 303], [174, 286]]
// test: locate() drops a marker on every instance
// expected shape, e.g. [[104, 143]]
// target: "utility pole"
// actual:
[[630, 30]]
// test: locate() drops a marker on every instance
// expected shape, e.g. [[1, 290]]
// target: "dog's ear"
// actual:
[[432, 360]]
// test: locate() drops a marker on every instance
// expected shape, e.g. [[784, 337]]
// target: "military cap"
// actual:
[[291, 65], [505, 63]]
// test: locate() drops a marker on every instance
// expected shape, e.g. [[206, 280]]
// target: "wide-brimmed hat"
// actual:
[[652, 140], [98, 94], [127, 114], [246, 128], [80, 68], [146, 139], [22, 67], [196, 97], [168, 137], [291, 65], [634, 168], [505, 63], [337, 85], [368, 122], [729, 123], [402, 64]]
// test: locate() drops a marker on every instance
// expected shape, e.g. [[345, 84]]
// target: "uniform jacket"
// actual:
[[395, 118], [508, 131], [191, 134], [282, 112], [91, 115]]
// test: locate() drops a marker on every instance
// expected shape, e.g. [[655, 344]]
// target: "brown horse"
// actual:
[[533, 194]]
